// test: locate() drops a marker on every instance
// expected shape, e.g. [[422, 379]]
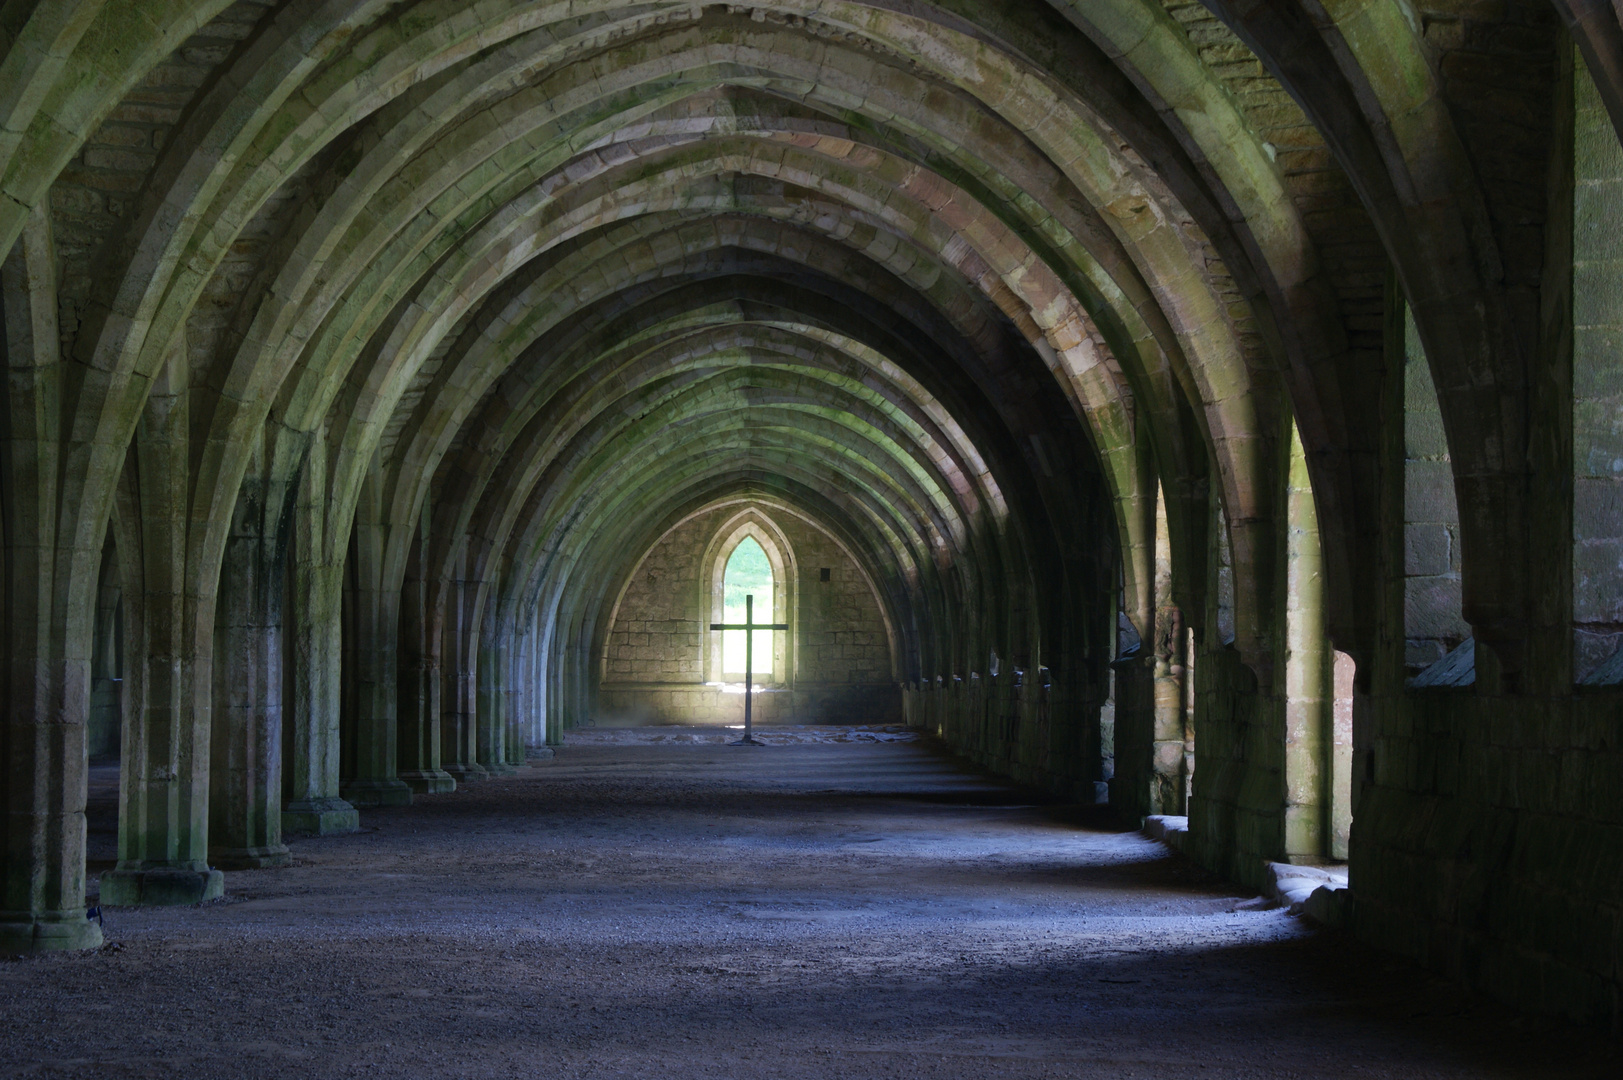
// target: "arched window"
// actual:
[[749, 573], [750, 556]]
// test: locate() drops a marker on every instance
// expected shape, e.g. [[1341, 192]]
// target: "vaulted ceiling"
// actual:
[[520, 283]]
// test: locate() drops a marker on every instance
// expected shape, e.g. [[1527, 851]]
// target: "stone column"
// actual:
[[245, 791], [492, 702], [546, 684], [310, 712], [418, 697], [523, 720], [107, 659], [1342, 672], [518, 698], [458, 730], [46, 673], [163, 814], [376, 625], [1307, 702], [1134, 787], [1171, 768], [42, 878]]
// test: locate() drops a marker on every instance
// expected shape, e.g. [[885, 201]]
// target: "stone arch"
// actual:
[[683, 560], [490, 241], [754, 523]]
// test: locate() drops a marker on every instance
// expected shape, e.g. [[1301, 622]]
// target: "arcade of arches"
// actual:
[[1206, 409]]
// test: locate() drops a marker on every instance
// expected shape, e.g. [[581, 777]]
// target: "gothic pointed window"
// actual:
[[749, 573]]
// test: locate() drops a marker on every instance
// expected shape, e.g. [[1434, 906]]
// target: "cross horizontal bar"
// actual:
[[749, 626]]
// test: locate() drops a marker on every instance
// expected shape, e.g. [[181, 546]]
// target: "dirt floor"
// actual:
[[656, 904]]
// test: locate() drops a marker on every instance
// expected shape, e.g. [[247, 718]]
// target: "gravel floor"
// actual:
[[649, 905]]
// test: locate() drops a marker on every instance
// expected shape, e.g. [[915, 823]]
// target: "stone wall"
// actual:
[[1597, 407], [1133, 786], [654, 659], [1033, 726], [1486, 843], [98, 192], [1431, 519], [658, 629], [1487, 829]]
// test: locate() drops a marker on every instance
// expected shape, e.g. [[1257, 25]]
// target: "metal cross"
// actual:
[[748, 626]]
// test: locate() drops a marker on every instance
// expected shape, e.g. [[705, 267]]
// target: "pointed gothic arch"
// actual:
[[751, 523]]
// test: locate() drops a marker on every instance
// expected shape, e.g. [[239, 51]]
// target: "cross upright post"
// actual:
[[749, 626]]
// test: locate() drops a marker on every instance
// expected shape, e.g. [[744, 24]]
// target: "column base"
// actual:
[[429, 781], [369, 793], [499, 768], [22, 932], [161, 887], [466, 772], [319, 817], [538, 753], [254, 858]]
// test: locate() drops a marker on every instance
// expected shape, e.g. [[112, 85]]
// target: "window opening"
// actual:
[[748, 572]]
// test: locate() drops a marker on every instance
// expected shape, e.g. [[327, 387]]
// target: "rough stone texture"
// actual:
[[97, 194], [1033, 730], [1316, 182], [1132, 784], [655, 660], [664, 613], [107, 663], [448, 312], [1433, 625], [1488, 857], [801, 911], [1597, 406]]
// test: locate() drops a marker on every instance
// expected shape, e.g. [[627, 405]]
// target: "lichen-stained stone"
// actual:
[[836, 661], [163, 842], [398, 347], [245, 767], [310, 717]]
